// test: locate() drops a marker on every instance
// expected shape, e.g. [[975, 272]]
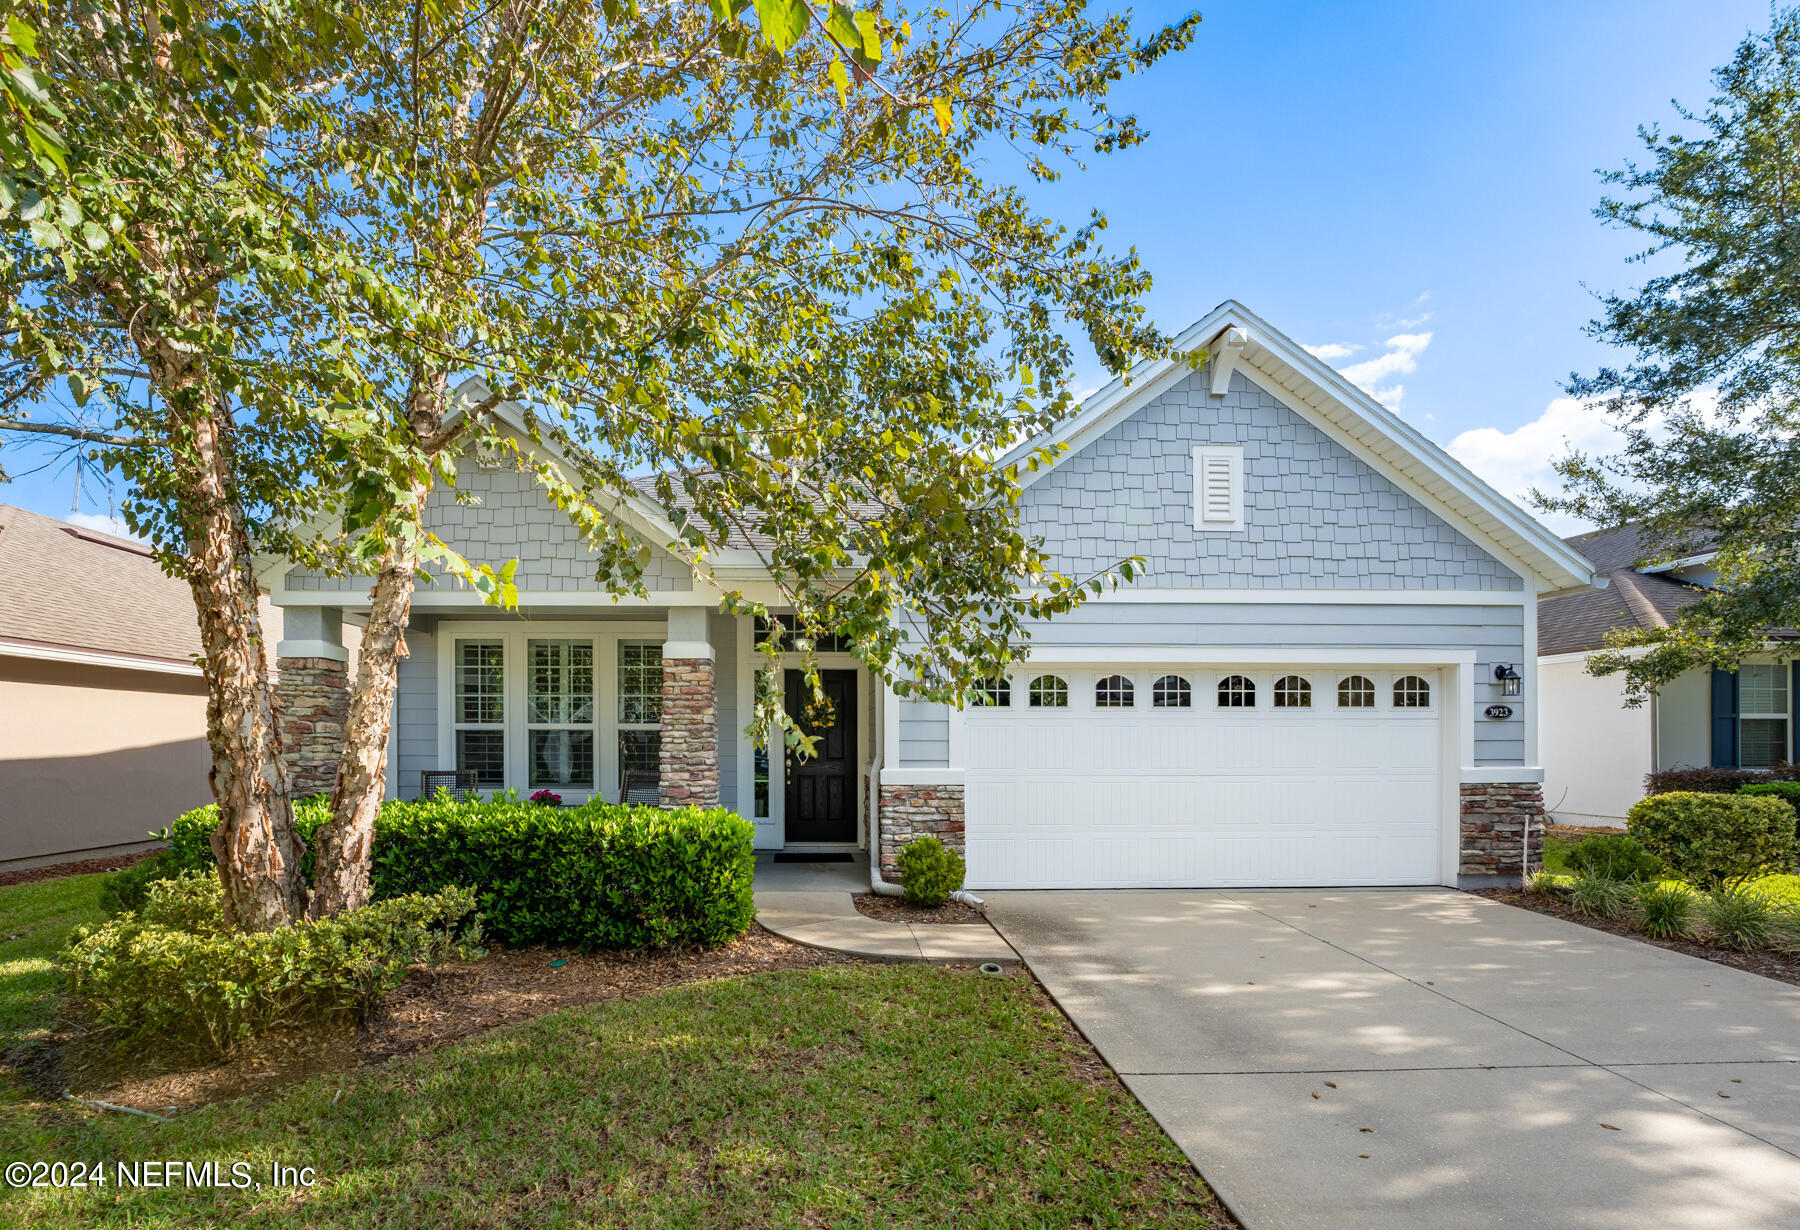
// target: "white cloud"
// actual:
[[1332, 350], [1513, 462], [1401, 357], [102, 524]]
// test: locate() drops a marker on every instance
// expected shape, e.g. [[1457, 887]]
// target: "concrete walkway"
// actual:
[[810, 903], [1431, 1059]]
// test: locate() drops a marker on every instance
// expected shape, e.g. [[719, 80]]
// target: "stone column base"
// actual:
[[689, 760], [1502, 832], [918, 811], [315, 704]]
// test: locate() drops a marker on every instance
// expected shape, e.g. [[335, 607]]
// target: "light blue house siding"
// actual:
[[511, 518], [1315, 517]]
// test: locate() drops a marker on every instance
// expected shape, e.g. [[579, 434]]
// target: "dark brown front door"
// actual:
[[821, 791]]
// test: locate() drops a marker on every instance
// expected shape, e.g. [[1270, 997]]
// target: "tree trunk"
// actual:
[[257, 850], [342, 848]]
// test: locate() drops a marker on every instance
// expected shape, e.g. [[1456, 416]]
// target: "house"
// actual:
[[1597, 752], [102, 707], [1304, 688]]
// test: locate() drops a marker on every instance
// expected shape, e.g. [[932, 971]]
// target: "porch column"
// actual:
[[689, 764], [311, 664]]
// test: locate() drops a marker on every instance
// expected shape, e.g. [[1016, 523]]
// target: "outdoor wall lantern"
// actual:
[[1508, 678]]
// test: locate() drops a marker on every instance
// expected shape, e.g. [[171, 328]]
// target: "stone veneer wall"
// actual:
[[315, 703], [689, 764], [1499, 820], [918, 811]]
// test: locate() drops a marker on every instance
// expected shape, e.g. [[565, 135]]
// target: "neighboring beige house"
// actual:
[[102, 708]]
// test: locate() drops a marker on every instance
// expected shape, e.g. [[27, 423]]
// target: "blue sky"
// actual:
[[1358, 173]]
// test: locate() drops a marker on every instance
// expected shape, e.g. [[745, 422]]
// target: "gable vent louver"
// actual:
[[1218, 488]]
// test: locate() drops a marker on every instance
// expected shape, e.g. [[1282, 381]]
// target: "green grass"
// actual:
[[35, 921], [843, 1096], [1556, 852]]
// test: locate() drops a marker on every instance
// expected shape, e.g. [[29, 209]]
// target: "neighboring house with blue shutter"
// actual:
[[1302, 688], [1597, 752]]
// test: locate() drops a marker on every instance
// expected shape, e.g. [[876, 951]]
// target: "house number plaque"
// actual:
[[1499, 711]]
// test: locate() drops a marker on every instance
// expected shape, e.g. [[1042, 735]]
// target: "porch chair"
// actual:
[[457, 781], [641, 786]]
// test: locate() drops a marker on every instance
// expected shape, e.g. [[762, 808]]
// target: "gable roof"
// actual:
[[1234, 337], [84, 593]]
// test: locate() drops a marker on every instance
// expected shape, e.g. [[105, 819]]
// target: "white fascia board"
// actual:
[[1578, 655], [96, 657], [1690, 561], [1291, 655], [1138, 595]]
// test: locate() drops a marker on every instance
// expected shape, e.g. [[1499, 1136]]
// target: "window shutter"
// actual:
[[1724, 719], [1218, 489]]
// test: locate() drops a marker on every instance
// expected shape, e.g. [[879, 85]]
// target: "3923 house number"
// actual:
[[1499, 711]]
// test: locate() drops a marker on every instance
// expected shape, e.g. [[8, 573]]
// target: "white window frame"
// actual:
[[605, 637], [1211, 464], [590, 726], [1784, 717]]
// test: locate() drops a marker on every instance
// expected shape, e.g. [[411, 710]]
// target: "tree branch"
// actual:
[[73, 433]]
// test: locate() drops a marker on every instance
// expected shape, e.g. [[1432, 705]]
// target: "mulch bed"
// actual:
[[83, 867], [1768, 964], [431, 1008], [898, 910]]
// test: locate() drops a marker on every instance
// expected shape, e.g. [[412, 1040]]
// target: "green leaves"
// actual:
[[782, 22]]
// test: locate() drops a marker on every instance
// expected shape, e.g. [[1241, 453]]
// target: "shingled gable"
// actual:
[[1233, 338]]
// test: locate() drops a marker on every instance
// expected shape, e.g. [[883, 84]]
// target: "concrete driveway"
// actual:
[[1511, 1069]]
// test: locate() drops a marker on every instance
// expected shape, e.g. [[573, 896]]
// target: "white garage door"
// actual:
[[1290, 776]]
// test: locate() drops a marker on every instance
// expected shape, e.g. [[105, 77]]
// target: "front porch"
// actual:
[[584, 702]]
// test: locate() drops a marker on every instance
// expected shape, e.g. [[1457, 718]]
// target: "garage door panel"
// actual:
[[1201, 797]]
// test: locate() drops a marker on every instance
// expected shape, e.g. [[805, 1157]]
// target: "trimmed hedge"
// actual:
[[1712, 840], [1787, 792], [1716, 781], [1612, 856], [601, 875], [172, 972]]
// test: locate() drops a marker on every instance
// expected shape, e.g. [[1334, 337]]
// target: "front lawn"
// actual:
[[849, 1095], [35, 922]]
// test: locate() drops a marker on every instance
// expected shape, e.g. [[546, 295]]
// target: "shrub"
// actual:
[[173, 972], [1785, 936], [1714, 839], [1547, 883], [1716, 781], [1612, 856], [1666, 911], [1739, 918], [929, 871], [549, 798], [1601, 897], [1787, 792], [126, 888], [596, 876]]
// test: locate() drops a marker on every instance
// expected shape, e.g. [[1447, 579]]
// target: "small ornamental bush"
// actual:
[[1601, 897], [1667, 911], [1711, 840], [601, 875], [929, 871], [1612, 856], [127, 888], [174, 974], [1787, 792], [549, 798], [1740, 918]]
